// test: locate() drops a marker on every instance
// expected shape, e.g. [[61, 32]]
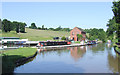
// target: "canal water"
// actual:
[[99, 58]]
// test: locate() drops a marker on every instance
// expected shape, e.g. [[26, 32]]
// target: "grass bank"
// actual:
[[9, 57], [36, 35], [116, 48]]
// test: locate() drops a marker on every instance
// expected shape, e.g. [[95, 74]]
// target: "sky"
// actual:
[[65, 14]]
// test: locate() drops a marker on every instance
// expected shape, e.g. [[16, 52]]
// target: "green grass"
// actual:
[[9, 57], [9, 34], [118, 49], [77, 42], [37, 35], [25, 52]]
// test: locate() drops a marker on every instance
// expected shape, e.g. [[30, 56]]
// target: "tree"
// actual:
[[116, 11], [19, 26], [0, 24], [22, 27], [39, 28], [33, 26], [42, 27], [79, 36], [93, 34], [6, 25], [51, 28], [112, 26], [58, 29]]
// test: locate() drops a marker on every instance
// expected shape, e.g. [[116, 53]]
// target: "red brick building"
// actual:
[[75, 31]]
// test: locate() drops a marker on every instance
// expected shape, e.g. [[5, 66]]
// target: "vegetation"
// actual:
[[79, 36], [118, 49], [114, 23], [8, 26], [116, 11], [77, 42], [63, 38], [60, 29], [93, 34], [36, 35], [33, 26], [111, 29], [9, 57], [53, 29]]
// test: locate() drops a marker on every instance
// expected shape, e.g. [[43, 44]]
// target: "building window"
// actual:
[[72, 33]]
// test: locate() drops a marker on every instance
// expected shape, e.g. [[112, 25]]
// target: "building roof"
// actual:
[[81, 30]]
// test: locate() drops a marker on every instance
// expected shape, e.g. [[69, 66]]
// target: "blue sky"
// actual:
[[54, 14]]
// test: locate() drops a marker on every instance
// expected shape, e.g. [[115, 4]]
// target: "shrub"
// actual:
[[63, 38]]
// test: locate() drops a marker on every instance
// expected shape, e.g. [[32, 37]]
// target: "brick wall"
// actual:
[[74, 32]]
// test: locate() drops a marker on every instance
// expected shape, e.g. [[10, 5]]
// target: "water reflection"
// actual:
[[77, 52], [97, 48], [99, 58], [113, 59]]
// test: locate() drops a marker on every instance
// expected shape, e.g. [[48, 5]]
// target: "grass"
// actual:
[[9, 57], [77, 42], [118, 49], [37, 35], [8, 34]]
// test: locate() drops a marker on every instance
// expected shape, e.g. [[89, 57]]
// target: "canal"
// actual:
[[99, 58]]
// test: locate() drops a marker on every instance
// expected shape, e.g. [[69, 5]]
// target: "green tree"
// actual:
[[116, 11], [51, 28], [6, 25], [33, 26], [0, 24], [93, 34], [79, 36], [58, 29], [22, 27], [39, 28], [17, 26], [42, 27]]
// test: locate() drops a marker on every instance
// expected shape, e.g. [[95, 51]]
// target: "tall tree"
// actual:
[[22, 27], [16, 24], [116, 11], [6, 25], [42, 27], [112, 27]]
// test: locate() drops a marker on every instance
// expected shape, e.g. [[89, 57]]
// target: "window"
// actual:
[[72, 33]]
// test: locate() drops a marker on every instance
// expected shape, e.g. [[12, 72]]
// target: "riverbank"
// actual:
[[9, 58], [117, 49]]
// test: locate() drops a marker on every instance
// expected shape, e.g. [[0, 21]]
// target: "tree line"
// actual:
[[33, 26], [93, 34], [7, 26], [114, 23]]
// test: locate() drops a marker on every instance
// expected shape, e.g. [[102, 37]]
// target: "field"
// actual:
[[36, 35]]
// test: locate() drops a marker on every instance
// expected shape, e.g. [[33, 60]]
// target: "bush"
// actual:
[[63, 38]]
